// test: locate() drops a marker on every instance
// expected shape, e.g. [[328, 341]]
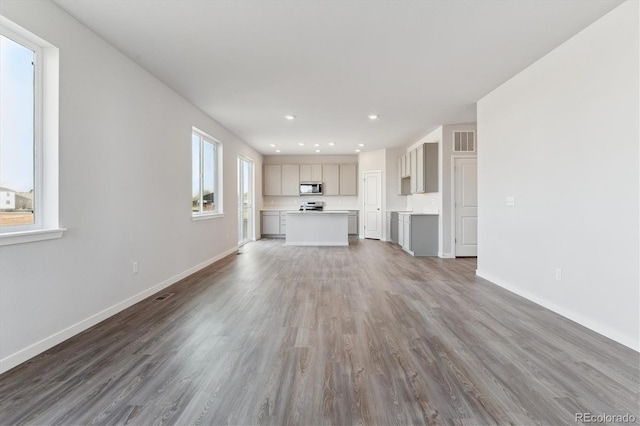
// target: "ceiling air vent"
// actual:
[[464, 141]]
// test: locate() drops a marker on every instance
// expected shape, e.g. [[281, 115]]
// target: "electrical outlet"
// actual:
[[558, 274], [135, 267]]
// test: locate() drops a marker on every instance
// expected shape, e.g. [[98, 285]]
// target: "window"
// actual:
[[206, 182], [28, 136], [17, 144]]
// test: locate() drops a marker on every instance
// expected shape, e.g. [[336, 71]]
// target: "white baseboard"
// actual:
[[589, 323], [447, 255], [37, 348]]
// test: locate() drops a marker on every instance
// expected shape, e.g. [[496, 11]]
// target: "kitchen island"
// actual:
[[317, 228]]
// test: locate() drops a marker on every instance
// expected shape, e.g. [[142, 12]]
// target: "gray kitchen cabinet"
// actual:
[[273, 223], [310, 172], [393, 227], [420, 234], [404, 166], [420, 169], [404, 178], [283, 223], [291, 179], [331, 179], [413, 166], [400, 230], [270, 224], [399, 176], [427, 168], [406, 232], [352, 222], [272, 178], [348, 179]]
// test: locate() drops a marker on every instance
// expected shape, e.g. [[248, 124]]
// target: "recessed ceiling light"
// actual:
[[373, 117], [289, 117], [357, 150], [331, 144], [277, 150], [272, 145], [360, 144], [317, 150], [316, 144], [301, 144]]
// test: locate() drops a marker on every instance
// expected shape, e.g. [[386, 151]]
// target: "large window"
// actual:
[[29, 75], [206, 186], [17, 129]]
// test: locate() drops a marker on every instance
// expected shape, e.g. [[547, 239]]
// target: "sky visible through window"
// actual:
[[16, 116]]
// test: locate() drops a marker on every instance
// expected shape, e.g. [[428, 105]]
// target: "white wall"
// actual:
[[562, 138], [125, 194]]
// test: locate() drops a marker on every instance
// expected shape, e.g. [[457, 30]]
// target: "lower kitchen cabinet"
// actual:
[[353, 222], [393, 227], [418, 233], [273, 223]]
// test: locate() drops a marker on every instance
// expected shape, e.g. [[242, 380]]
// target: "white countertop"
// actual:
[[317, 212], [418, 214], [284, 209]]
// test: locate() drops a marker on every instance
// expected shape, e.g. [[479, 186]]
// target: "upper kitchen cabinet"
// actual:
[[331, 179], [281, 179], [421, 165], [311, 173], [427, 168], [284, 179], [290, 179], [348, 179], [404, 166], [413, 173], [272, 179]]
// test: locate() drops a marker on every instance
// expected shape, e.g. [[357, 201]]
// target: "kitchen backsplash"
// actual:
[[293, 203], [424, 203]]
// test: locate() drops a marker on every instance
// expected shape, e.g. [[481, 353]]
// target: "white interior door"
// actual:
[[373, 204], [466, 206], [245, 200]]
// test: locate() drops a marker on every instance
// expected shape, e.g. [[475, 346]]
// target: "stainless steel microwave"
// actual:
[[310, 188]]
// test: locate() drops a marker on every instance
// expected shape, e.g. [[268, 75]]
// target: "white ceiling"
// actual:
[[418, 64]]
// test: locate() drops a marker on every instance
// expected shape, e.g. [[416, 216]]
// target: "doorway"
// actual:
[[373, 204], [466, 206], [245, 201]]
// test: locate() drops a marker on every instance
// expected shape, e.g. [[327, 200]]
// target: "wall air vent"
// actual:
[[464, 141]]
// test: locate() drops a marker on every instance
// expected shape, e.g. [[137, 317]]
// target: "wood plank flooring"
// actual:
[[363, 334]]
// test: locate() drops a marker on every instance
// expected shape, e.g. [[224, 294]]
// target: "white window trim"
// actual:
[[46, 200], [219, 178]]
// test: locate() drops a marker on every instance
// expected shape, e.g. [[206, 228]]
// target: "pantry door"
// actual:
[[373, 204], [466, 206]]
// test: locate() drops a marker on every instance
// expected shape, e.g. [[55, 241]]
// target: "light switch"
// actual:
[[511, 201]]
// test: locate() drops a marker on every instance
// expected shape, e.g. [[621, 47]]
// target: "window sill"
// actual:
[[10, 238], [206, 216]]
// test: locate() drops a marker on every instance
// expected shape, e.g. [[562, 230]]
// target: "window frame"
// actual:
[[218, 175], [46, 123]]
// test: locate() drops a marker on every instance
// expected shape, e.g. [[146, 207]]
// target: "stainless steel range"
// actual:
[[311, 206]]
